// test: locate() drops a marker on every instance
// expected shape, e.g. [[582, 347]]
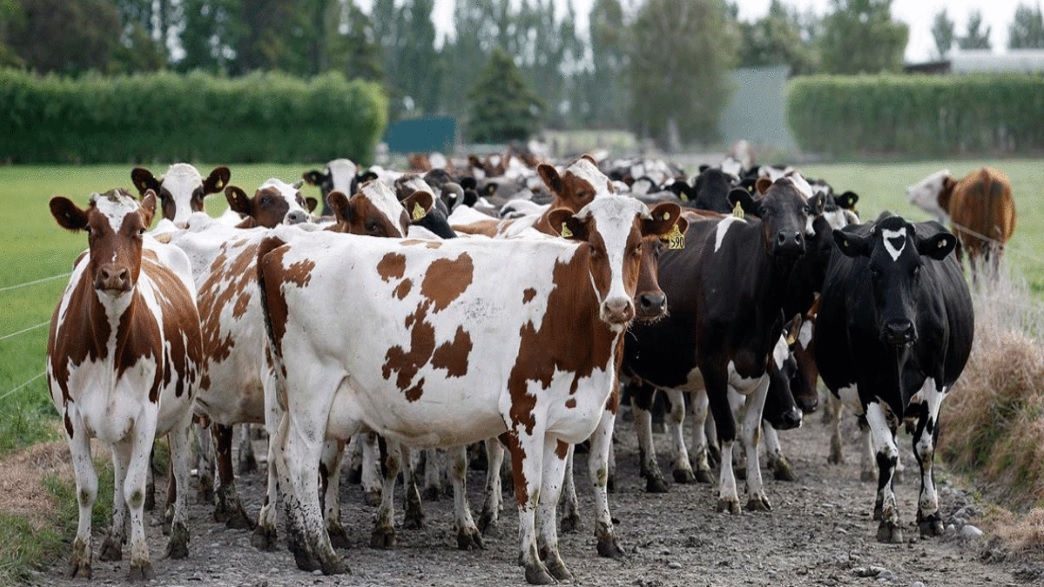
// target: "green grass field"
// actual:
[[36, 248]]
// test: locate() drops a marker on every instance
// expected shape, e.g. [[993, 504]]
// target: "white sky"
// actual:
[[918, 14]]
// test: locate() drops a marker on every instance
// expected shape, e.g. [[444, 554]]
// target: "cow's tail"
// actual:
[[269, 297]]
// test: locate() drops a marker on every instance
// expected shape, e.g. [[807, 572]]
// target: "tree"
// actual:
[[975, 37], [680, 53], [354, 50], [1027, 29], [601, 99], [11, 15], [419, 64], [859, 36], [65, 37], [501, 106], [212, 32], [943, 33], [775, 39]]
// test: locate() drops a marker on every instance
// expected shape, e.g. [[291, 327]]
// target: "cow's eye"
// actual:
[[636, 250]]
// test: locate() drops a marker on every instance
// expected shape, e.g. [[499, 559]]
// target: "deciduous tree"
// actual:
[[975, 36], [1027, 29], [859, 36], [943, 33]]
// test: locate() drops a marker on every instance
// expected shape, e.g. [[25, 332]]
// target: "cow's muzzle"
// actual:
[[651, 305], [899, 333], [789, 242], [618, 310], [113, 279], [296, 217], [790, 419]]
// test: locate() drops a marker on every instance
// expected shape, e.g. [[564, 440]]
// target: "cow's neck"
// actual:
[[769, 293], [117, 313]]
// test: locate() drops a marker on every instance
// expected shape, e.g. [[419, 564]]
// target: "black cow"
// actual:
[[893, 333], [725, 294], [341, 175]]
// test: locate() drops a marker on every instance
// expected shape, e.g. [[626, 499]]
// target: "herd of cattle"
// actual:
[[507, 302]]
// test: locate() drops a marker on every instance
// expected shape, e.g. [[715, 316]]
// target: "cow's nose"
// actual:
[[791, 419], [113, 278], [296, 217], [790, 241], [651, 303], [900, 332], [618, 310]]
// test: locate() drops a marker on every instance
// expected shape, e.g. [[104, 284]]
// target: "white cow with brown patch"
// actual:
[[181, 190], [449, 345], [123, 359]]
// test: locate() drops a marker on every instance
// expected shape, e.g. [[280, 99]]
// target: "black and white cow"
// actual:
[[341, 175], [181, 190], [893, 333]]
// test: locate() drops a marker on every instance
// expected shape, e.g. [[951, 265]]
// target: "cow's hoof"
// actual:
[[355, 475], [878, 511], [684, 476], [730, 505], [559, 571], [265, 539], [782, 471], [141, 572], [177, 546], [759, 503], [372, 498], [335, 567], [247, 464], [536, 574], [655, 484], [112, 549], [80, 566], [383, 538], [338, 537], [229, 510], [431, 493], [469, 539], [570, 523], [931, 526], [414, 515], [704, 476], [609, 547], [489, 525], [889, 533], [868, 476]]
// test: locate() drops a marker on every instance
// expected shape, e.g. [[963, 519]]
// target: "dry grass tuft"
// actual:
[[22, 490]]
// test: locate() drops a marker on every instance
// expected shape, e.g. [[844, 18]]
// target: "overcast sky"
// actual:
[[918, 14]]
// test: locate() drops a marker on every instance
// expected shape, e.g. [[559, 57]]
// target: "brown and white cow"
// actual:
[[181, 190], [275, 202], [452, 345], [979, 208], [123, 358]]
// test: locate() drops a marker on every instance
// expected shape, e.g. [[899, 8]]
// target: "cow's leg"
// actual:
[[265, 535], [354, 457], [371, 477], [228, 508], [571, 509], [468, 535], [112, 547], [700, 446], [555, 454], [738, 404], [868, 461], [414, 513], [832, 415], [681, 468], [642, 397], [890, 528], [925, 437], [180, 455], [384, 521], [527, 452], [86, 492], [755, 404], [205, 464], [247, 460], [432, 474], [493, 500], [140, 445], [598, 473], [777, 461], [330, 481], [717, 394]]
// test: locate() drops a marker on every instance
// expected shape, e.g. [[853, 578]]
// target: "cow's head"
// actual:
[[275, 202], [577, 186], [784, 210], [613, 230], [932, 194], [181, 190], [115, 222], [781, 409], [896, 253], [375, 211], [340, 175], [650, 300]]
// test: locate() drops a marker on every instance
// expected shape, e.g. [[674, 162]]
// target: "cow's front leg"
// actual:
[[598, 473], [755, 404], [642, 398], [832, 415], [681, 467], [265, 534], [247, 460], [112, 547], [717, 394], [228, 508], [384, 523], [180, 456], [777, 461], [86, 491], [468, 535], [700, 436], [555, 454], [890, 528], [205, 463], [134, 493], [527, 452], [925, 437]]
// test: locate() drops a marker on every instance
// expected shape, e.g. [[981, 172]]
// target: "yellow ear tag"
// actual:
[[684, 198], [219, 184], [418, 212], [566, 233], [791, 338], [942, 243], [675, 239], [737, 211], [666, 215]]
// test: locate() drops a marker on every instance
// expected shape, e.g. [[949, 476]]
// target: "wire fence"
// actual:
[[26, 384], [34, 282], [24, 330]]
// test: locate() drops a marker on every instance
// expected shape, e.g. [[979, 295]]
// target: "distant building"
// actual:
[[983, 61]]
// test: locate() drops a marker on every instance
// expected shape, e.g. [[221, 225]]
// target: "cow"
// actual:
[[340, 174], [181, 190], [123, 357], [893, 333], [452, 345], [274, 202], [979, 208], [726, 290]]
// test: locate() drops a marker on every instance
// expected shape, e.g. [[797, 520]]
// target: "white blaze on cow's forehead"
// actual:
[[181, 180], [805, 334], [585, 170], [613, 218], [342, 172], [780, 352], [383, 198], [287, 191], [890, 238], [800, 183], [722, 228], [115, 207]]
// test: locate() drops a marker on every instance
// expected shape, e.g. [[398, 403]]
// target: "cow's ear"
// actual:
[[664, 217], [746, 202], [68, 214], [238, 200], [704, 167], [366, 176], [313, 177], [791, 329], [468, 183], [148, 208], [590, 158], [851, 244], [816, 204], [418, 204], [341, 206], [552, 180], [567, 225], [762, 185], [311, 203], [217, 180], [144, 181], [683, 190], [937, 246], [847, 200]]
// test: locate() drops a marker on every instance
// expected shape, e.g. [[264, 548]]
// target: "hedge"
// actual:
[[166, 117], [919, 115]]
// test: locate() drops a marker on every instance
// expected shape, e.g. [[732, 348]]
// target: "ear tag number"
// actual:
[[418, 212], [675, 239]]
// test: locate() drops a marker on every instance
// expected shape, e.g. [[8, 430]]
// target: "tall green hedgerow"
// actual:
[[269, 117]]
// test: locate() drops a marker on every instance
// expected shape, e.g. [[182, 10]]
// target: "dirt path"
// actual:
[[819, 533]]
